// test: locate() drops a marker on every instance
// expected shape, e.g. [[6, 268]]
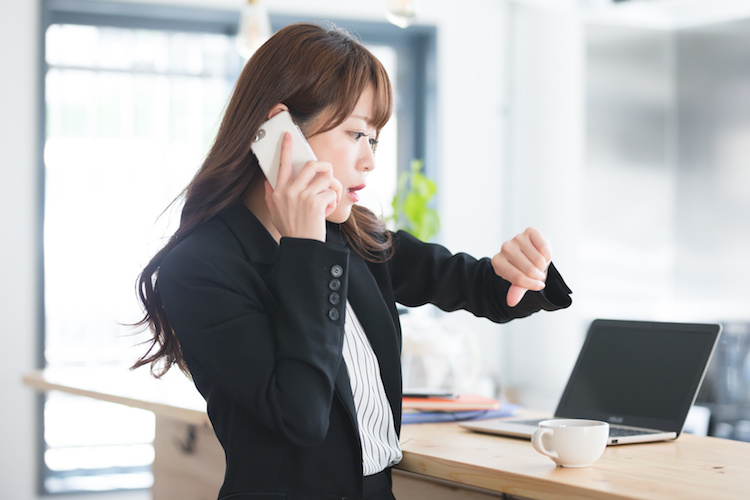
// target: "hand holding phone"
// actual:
[[299, 199], [267, 146]]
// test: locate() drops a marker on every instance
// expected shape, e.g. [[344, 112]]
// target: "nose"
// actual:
[[367, 159]]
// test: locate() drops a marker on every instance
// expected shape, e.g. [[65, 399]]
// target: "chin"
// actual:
[[340, 215]]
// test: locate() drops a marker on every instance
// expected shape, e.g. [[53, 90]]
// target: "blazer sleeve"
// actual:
[[275, 353], [428, 273]]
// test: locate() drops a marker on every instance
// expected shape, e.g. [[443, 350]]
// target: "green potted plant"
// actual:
[[411, 203]]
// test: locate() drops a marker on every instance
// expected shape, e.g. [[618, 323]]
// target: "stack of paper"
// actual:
[[461, 402], [451, 409]]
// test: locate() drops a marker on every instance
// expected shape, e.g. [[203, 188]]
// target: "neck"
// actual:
[[255, 200]]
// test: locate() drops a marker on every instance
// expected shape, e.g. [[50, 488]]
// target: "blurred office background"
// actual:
[[620, 129]]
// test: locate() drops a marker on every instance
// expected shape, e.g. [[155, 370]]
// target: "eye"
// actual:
[[359, 135]]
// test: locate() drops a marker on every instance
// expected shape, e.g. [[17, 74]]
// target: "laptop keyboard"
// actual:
[[533, 422], [623, 432], [613, 430]]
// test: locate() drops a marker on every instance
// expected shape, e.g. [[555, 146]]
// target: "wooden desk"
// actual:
[[440, 460], [686, 468]]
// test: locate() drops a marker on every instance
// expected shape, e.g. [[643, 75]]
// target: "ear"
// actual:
[[278, 108]]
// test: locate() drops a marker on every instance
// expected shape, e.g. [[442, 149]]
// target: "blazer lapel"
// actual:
[[377, 319], [374, 315]]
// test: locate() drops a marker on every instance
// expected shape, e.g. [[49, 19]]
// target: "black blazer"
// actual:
[[261, 328]]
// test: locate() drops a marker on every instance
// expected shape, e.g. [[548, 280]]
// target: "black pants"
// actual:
[[378, 486]]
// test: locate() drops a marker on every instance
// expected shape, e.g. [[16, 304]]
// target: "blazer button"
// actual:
[[337, 271], [334, 285], [334, 298], [333, 314]]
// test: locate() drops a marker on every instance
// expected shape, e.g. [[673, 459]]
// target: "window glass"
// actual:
[[130, 115]]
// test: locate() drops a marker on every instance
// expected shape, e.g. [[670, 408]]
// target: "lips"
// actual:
[[353, 192]]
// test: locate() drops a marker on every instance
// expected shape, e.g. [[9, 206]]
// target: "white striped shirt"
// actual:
[[377, 433]]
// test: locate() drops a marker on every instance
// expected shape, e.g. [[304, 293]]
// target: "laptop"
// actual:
[[641, 377]]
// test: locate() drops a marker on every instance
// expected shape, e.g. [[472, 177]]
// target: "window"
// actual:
[[133, 95], [130, 113]]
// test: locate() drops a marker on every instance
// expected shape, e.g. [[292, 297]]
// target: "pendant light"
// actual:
[[401, 12], [254, 28]]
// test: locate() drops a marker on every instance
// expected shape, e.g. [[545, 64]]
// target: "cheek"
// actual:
[[341, 155], [338, 169], [324, 145], [341, 160]]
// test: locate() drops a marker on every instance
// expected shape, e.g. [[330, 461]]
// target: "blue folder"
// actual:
[[420, 417]]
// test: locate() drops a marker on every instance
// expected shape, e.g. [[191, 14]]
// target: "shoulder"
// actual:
[[224, 244], [210, 240], [207, 251]]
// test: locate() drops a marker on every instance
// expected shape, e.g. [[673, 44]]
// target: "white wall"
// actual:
[[19, 224], [543, 189], [471, 94]]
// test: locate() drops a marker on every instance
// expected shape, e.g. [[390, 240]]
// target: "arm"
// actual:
[[274, 353], [428, 273]]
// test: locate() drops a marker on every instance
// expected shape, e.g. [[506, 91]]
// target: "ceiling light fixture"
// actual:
[[401, 12], [254, 28]]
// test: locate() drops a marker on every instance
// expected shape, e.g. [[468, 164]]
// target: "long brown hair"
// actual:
[[310, 69]]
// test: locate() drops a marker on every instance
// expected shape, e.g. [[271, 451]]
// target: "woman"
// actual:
[[281, 303]]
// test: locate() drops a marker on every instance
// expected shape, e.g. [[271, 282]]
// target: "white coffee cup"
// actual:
[[571, 442]]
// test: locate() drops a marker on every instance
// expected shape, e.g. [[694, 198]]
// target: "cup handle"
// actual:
[[536, 441]]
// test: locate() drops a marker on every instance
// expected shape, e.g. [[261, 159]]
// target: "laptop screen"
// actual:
[[641, 374]]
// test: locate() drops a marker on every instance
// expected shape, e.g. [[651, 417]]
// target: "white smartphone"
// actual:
[[267, 146]]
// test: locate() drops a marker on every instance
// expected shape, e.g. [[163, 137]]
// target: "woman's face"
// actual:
[[348, 148]]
